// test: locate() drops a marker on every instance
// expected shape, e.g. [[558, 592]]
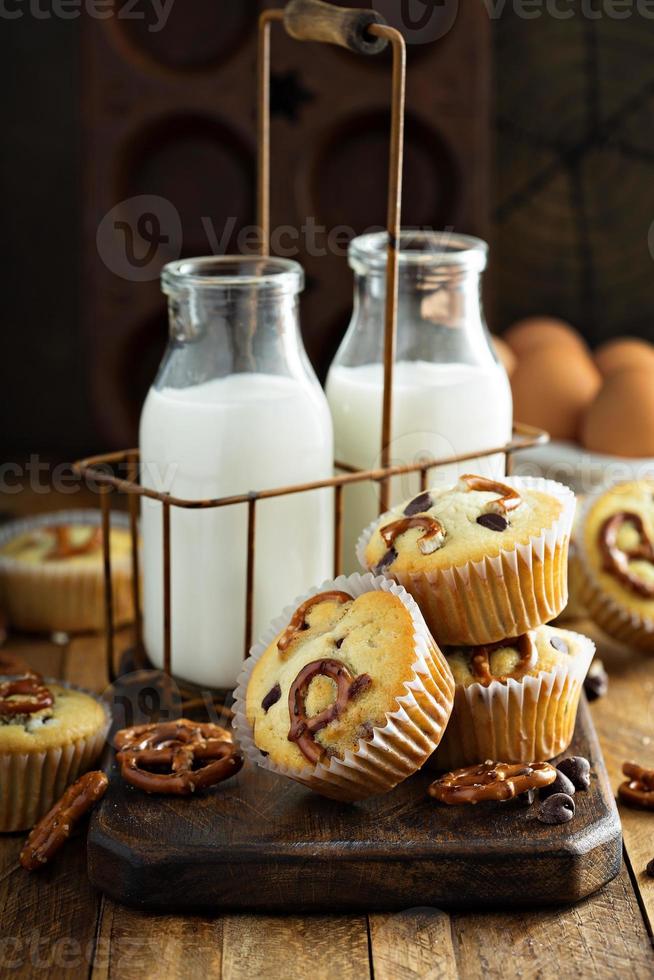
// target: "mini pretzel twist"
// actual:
[[63, 546], [480, 661], [509, 496], [616, 560], [638, 789], [303, 729], [431, 540], [24, 696], [52, 832], [299, 619], [497, 781], [178, 746]]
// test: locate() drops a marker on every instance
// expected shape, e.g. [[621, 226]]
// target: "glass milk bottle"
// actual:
[[450, 394], [235, 407]]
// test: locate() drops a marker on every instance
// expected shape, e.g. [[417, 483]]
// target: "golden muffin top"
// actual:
[[449, 526], [67, 715], [539, 650], [330, 677], [617, 543], [54, 545]]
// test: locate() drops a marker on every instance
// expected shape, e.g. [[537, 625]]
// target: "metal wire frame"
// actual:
[[394, 205], [95, 468], [99, 471]]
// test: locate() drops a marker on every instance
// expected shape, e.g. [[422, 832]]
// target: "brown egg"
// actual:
[[505, 354], [623, 352], [542, 331], [620, 421], [552, 388]]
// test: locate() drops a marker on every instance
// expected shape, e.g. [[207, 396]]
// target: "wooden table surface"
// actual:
[[54, 922]]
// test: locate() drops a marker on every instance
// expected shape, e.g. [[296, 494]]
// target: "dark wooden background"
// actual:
[[535, 133]]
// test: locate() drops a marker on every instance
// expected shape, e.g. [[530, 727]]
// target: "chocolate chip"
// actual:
[[559, 644], [387, 560], [557, 809], [494, 522], [418, 505], [577, 769], [358, 685], [649, 870], [272, 697], [596, 684], [560, 785]]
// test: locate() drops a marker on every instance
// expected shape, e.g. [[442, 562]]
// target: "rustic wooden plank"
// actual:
[[624, 725], [46, 923], [48, 919], [387, 853], [603, 937], [412, 945], [39, 653], [85, 659], [276, 948], [137, 945]]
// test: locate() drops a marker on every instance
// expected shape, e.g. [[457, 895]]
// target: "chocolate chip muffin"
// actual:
[[484, 560], [52, 573], [515, 700], [616, 562], [348, 692], [49, 734]]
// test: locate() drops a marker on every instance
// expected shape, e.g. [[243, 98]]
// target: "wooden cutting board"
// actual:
[[264, 843]]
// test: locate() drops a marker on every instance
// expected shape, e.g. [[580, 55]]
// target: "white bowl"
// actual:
[[582, 471]]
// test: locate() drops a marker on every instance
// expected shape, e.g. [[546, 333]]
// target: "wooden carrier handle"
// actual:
[[314, 20]]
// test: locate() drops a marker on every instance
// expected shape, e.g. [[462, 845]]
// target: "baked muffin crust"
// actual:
[[474, 523], [634, 500], [73, 716], [372, 635], [546, 647]]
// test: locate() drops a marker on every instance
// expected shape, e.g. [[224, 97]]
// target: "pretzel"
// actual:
[[497, 781], [638, 789], [430, 541], [176, 745], [64, 548], [616, 560], [52, 832], [24, 696], [303, 729], [480, 660], [299, 618], [509, 496]]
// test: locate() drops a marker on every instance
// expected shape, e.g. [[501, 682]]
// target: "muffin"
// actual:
[[347, 692], [575, 608], [52, 574], [483, 560], [616, 556], [50, 733], [516, 700]]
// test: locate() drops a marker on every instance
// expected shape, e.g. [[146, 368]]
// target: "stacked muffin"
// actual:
[[487, 563], [440, 652]]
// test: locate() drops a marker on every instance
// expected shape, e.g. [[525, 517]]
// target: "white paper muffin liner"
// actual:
[[488, 600], [396, 749], [32, 782], [528, 720], [63, 597], [617, 620]]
